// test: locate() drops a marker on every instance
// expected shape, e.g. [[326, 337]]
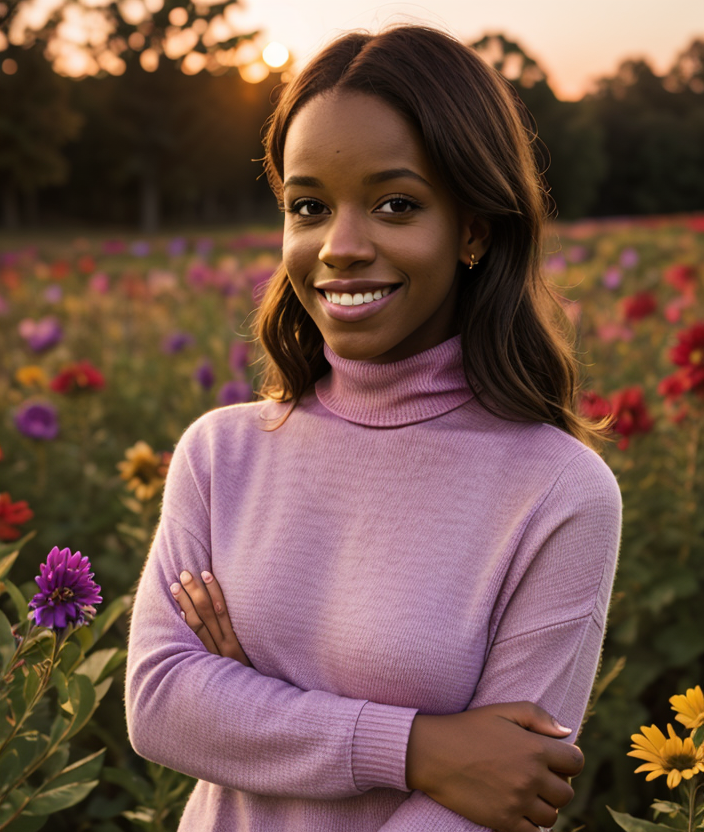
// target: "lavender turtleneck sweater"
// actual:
[[391, 549]]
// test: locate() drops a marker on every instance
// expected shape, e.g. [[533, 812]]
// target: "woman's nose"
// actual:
[[346, 242]]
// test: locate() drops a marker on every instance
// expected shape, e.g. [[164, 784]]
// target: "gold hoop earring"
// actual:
[[472, 262]]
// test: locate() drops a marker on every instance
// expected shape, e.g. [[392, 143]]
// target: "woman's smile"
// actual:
[[372, 239]]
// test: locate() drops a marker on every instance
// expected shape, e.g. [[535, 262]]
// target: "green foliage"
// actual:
[[49, 690]]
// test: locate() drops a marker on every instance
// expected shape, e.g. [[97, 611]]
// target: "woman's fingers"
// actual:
[[192, 618], [229, 645]]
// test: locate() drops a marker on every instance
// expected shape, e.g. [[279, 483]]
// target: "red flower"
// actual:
[[79, 376], [683, 278], [60, 269], [593, 406], [629, 408], [674, 386], [689, 354], [86, 264], [12, 515], [639, 306]]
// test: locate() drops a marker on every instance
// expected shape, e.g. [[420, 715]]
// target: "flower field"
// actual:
[[112, 347]]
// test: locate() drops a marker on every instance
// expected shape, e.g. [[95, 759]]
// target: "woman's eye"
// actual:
[[308, 208], [398, 205]]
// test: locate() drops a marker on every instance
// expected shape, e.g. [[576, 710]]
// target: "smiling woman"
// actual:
[[372, 595]]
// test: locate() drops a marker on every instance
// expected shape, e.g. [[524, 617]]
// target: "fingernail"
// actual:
[[218, 607], [561, 727], [185, 577], [175, 588], [183, 615], [206, 576]]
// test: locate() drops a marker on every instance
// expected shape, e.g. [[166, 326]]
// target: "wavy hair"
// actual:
[[516, 340]]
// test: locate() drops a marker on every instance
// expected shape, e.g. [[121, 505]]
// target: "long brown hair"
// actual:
[[516, 341]]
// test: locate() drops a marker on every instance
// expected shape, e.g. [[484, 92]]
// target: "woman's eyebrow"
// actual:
[[371, 179]]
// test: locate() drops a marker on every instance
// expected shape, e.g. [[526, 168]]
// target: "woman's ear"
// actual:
[[476, 237]]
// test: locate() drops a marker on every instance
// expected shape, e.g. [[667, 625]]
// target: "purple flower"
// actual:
[[53, 294], [67, 593], [37, 420], [555, 264], [612, 277], [234, 392], [140, 248], [629, 258], [204, 375], [204, 246], [176, 342], [176, 247], [239, 356], [577, 254], [41, 335]]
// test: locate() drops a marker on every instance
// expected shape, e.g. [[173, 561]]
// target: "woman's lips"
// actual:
[[355, 313]]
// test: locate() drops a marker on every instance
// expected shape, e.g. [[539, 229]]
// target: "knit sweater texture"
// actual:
[[392, 549]]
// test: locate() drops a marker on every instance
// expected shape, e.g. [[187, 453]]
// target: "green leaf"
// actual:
[[631, 824], [667, 806], [58, 680], [137, 786], [90, 635], [18, 599], [101, 689], [26, 823], [81, 771], [8, 645], [61, 797], [82, 701], [698, 736], [55, 762], [95, 665], [70, 657]]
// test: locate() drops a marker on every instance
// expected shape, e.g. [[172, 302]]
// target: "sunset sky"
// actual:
[[574, 42]]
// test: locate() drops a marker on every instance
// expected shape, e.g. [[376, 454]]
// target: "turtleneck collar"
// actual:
[[404, 392]]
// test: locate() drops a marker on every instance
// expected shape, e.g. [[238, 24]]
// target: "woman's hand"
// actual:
[[497, 765], [203, 608]]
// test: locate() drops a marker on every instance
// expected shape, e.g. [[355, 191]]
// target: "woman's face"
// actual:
[[369, 222]]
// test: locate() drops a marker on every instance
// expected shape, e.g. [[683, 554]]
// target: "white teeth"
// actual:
[[347, 299]]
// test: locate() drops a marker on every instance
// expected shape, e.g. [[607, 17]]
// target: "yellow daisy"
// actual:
[[690, 708], [31, 376], [143, 470], [673, 756]]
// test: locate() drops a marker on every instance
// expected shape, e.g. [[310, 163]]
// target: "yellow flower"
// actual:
[[675, 757], [143, 470], [690, 708], [32, 376]]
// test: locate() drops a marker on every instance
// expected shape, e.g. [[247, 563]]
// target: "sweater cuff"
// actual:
[[379, 746]]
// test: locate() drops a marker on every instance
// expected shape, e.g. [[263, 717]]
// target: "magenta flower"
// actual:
[[239, 356], [67, 593], [41, 335], [629, 258], [176, 342], [234, 392], [205, 375], [37, 420]]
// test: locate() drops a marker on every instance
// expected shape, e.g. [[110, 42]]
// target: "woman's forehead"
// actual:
[[352, 129]]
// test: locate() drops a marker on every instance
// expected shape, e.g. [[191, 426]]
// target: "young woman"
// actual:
[[413, 536]]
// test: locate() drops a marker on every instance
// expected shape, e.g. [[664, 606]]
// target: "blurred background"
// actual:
[[137, 233]]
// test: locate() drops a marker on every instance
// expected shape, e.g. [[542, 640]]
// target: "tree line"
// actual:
[[148, 149]]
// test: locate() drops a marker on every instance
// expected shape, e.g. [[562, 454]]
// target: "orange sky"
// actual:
[[574, 42]]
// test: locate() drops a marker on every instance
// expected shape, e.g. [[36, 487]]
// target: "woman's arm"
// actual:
[[548, 632], [484, 789]]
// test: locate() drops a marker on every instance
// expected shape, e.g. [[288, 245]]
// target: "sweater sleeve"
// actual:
[[217, 720], [550, 618]]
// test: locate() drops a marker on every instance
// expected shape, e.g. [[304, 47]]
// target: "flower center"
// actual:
[[681, 761], [696, 356], [61, 593]]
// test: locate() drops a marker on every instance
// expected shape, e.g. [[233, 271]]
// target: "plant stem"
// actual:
[[692, 805]]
